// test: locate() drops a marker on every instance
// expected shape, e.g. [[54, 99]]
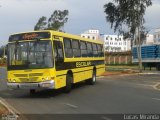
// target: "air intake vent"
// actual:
[[21, 75], [35, 74]]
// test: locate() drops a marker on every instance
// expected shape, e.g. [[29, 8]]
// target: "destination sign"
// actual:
[[29, 36]]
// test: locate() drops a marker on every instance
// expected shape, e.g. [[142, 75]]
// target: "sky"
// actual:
[[22, 15]]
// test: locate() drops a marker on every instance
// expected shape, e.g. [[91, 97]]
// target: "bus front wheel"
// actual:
[[68, 86]]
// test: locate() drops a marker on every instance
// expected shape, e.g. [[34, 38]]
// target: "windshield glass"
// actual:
[[28, 55]]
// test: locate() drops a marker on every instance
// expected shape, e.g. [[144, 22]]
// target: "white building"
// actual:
[[91, 34], [112, 43], [157, 36], [149, 39], [115, 43]]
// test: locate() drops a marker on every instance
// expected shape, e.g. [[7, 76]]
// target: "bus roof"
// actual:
[[63, 34]]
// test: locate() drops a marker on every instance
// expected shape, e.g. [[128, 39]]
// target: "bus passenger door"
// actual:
[[58, 54]]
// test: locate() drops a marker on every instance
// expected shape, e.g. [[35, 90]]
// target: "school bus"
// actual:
[[51, 60]]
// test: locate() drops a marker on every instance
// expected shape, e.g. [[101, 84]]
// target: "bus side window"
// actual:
[[58, 51], [90, 50], [102, 51], [68, 48], [83, 49], [76, 48], [99, 50], [95, 53]]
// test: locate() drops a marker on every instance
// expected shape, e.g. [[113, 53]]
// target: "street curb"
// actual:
[[12, 111], [124, 74], [149, 73]]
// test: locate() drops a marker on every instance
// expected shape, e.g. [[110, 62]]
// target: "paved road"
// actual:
[[111, 95]]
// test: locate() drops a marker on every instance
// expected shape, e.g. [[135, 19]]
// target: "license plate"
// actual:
[[28, 86]]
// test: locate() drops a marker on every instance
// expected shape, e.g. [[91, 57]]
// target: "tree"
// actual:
[[143, 35], [55, 22], [3, 51], [41, 24], [127, 17]]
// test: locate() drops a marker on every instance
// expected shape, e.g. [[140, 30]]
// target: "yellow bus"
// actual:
[[51, 60]]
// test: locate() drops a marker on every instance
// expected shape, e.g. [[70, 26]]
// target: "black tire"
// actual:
[[92, 80], [32, 91], [68, 86], [158, 67]]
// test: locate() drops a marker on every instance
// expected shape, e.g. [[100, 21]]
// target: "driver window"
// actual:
[[58, 50]]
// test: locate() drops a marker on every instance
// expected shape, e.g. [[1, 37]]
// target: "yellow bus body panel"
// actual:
[[82, 71]]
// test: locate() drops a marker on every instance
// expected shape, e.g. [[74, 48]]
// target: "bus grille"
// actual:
[[21, 75], [24, 79], [33, 79], [28, 75], [35, 74]]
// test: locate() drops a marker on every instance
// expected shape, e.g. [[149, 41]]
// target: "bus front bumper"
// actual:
[[47, 84]]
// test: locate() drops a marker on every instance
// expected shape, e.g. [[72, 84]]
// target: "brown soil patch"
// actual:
[[3, 110]]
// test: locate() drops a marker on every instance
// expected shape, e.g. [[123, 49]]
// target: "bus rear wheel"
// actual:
[[92, 80], [32, 91], [158, 67], [68, 86]]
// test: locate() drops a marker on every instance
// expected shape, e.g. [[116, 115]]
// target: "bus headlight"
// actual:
[[11, 80], [48, 84]]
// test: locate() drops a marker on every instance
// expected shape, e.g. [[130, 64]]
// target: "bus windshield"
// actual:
[[30, 55]]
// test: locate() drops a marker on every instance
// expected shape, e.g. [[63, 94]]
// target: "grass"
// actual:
[[121, 67], [124, 69]]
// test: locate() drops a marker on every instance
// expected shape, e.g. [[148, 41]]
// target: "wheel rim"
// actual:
[[94, 77]]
